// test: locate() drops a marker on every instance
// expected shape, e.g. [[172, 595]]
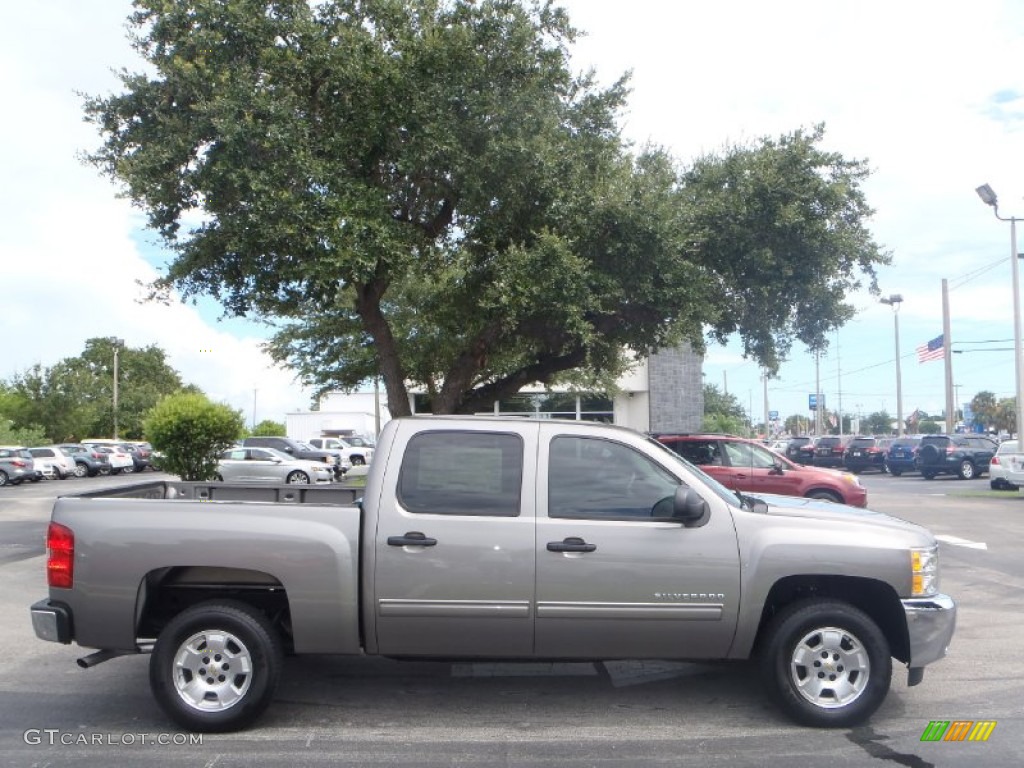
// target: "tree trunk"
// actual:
[[368, 298]]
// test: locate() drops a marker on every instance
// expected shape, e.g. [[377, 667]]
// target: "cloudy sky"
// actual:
[[931, 94]]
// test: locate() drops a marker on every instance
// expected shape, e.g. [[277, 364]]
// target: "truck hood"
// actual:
[[794, 506]]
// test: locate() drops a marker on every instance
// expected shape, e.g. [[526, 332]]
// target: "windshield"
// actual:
[[729, 497]]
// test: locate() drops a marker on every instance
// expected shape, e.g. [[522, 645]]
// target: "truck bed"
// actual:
[[219, 491]]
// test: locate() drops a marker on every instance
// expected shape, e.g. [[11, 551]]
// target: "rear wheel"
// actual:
[[928, 474], [827, 663], [894, 472], [966, 471], [215, 666]]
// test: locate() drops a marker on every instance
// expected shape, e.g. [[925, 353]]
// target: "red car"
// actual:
[[748, 466]]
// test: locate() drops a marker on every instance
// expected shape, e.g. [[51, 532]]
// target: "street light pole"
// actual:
[[894, 300], [988, 196], [118, 343]]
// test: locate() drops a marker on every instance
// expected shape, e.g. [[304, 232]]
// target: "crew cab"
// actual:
[[490, 538]]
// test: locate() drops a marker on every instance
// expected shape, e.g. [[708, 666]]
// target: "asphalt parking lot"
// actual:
[[356, 711]]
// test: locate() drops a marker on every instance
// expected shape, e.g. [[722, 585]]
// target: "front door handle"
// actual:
[[411, 539], [571, 544]]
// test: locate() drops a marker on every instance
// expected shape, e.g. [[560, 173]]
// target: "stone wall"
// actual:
[[676, 387]]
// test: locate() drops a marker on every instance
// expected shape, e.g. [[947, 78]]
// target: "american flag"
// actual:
[[933, 350]]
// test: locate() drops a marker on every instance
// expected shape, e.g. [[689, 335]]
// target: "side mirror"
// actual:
[[688, 506]]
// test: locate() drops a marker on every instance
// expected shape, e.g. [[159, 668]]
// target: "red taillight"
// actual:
[[995, 460], [18, 463], [60, 556], [950, 449]]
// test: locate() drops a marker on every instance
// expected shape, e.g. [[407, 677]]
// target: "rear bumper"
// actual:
[[930, 625], [52, 621]]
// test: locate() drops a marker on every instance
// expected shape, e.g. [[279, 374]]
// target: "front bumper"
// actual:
[[930, 625], [52, 621]]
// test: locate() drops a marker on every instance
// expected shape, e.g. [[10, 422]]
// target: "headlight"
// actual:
[[851, 478], [924, 568]]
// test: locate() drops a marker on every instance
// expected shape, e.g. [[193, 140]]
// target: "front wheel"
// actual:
[[297, 478], [81, 470], [827, 663], [215, 666], [927, 474], [894, 472], [358, 461], [824, 495]]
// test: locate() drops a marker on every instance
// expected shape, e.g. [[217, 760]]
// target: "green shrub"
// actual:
[[191, 432]]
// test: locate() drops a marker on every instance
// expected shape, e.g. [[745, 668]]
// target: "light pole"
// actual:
[[894, 300], [988, 196], [118, 344]]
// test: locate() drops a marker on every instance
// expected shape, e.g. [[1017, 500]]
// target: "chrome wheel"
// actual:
[[212, 671], [297, 478], [81, 470], [830, 667]]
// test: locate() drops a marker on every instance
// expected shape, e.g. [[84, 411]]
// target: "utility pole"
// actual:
[[948, 343]]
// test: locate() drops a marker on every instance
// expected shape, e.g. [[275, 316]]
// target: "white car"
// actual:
[[354, 455], [1007, 459], [120, 459], [267, 465], [53, 461]]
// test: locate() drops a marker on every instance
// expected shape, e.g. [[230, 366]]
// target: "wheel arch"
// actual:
[[166, 592], [875, 598]]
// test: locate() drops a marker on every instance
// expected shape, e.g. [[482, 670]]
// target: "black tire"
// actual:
[[928, 474], [966, 471], [115, 471], [832, 641], [61, 474], [824, 495], [894, 472], [229, 701], [358, 461], [929, 454], [218, 478], [3, 478], [298, 477]]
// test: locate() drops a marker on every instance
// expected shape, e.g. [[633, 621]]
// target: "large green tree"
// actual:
[[425, 190], [74, 399]]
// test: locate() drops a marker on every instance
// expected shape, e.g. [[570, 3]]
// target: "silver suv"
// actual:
[[17, 465]]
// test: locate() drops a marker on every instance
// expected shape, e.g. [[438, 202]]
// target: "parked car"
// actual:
[[794, 449], [829, 451], [63, 465], [296, 449], [901, 456], [744, 465], [965, 456], [267, 465], [356, 455], [89, 462], [119, 459], [16, 465], [866, 453], [1007, 459]]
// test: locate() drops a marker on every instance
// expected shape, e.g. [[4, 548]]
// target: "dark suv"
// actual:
[[902, 455], [966, 456], [828, 451], [795, 449], [866, 453]]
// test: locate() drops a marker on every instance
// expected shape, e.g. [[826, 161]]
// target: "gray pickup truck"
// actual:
[[487, 538]]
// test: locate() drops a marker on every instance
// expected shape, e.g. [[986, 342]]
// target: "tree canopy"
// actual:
[[424, 190], [74, 399]]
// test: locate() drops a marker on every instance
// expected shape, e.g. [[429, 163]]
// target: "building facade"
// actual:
[[662, 393]]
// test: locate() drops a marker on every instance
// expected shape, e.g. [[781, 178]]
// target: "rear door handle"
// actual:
[[571, 544], [411, 539]]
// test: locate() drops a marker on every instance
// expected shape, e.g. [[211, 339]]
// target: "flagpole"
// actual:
[[948, 349]]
